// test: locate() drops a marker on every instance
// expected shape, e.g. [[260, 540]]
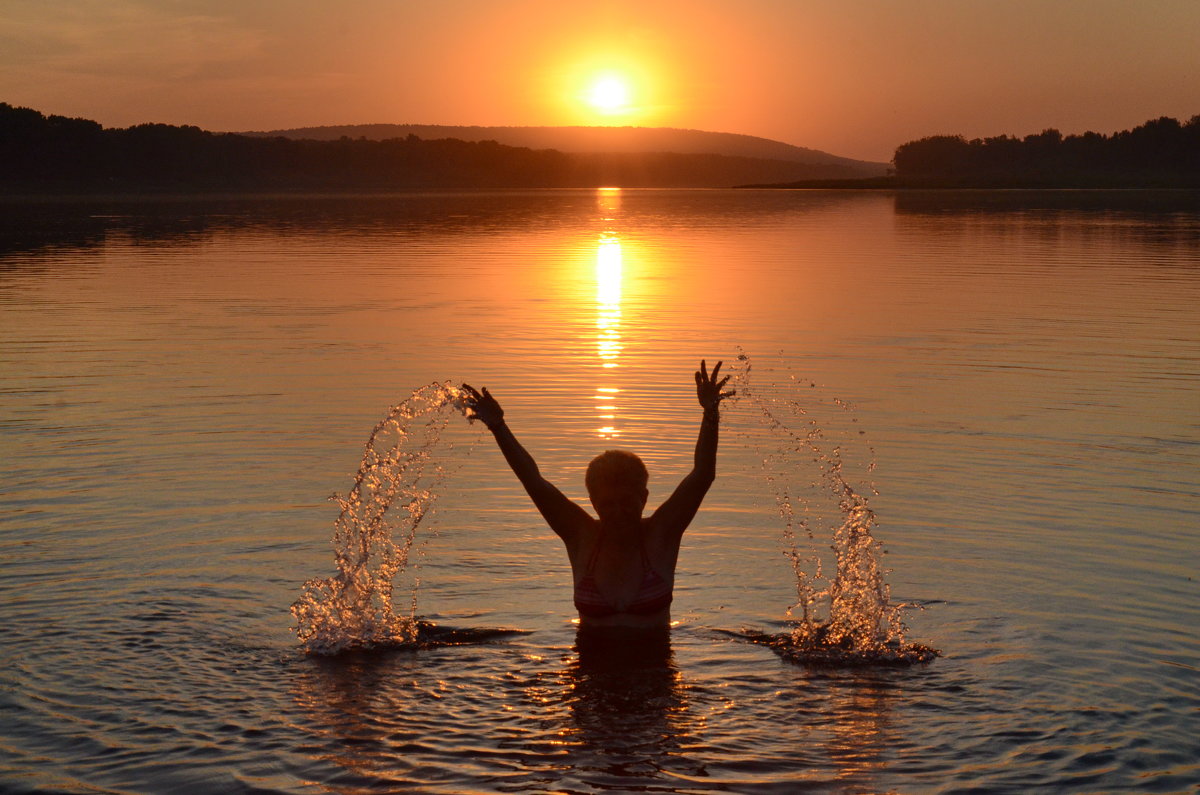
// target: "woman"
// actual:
[[623, 563]]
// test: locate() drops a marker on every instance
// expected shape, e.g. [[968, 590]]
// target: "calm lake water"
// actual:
[[185, 382]]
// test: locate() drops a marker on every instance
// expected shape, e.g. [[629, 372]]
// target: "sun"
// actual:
[[608, 88], [609, 94]]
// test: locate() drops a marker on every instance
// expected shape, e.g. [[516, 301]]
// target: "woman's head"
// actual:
[[616, 482]]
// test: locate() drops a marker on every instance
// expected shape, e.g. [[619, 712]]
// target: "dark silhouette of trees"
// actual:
[[56, 154], [50, 154], [1160, 153]]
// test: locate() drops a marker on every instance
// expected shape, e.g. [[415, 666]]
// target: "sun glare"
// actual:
[[608, 87], [608, 94]]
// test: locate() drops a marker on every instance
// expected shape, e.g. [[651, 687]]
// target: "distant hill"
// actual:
[[55, 154], [606, 140]]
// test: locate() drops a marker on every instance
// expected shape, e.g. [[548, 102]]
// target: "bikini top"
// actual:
[[653, 592]]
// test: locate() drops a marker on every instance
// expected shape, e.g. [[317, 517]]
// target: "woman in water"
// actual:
[[623, 563]]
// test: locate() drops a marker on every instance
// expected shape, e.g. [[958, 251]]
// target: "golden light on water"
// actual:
[[608, 202], [609, 271], [606, 401], [608, 301], [608, 327]]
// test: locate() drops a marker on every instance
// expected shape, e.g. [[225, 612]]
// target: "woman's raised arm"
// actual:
[[563, 516], [677, 512]]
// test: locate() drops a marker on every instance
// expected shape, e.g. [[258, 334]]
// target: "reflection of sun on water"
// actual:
[[608, 301], [608, 282], [608, 325], [608, 202], [606, 406]]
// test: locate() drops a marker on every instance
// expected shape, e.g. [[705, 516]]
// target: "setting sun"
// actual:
[[608, 86], [608, 94]]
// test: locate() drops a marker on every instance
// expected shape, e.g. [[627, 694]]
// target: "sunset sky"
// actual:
[[852, 77]]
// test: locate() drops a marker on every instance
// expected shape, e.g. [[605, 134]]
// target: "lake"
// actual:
[[1010, 377]]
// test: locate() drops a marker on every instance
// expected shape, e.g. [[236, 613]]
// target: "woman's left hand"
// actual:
[[708, 388]]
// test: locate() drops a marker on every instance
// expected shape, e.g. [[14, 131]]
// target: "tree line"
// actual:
[[1160, 153], [40, 153]]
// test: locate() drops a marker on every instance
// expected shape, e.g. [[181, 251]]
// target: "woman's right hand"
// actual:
[[482, 406]]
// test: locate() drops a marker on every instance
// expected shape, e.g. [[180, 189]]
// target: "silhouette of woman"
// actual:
[[623, 563]]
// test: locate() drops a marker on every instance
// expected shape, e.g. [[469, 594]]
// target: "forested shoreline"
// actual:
[[54, 154], [1162, 153], [44, 154]]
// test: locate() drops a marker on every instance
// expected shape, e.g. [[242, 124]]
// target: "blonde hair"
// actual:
[[616, 471]]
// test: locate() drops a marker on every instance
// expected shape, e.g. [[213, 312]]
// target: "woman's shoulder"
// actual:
[[583, 533], [657, 534]]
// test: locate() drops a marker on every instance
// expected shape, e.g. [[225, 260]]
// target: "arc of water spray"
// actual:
[[354, 607], [860, 622]]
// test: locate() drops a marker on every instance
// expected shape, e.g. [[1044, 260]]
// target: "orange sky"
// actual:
[[852, 77]]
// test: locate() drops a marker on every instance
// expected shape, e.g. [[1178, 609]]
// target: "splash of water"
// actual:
[[849, 619], [394, 492]]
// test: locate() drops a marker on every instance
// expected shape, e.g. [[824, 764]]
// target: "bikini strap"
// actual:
[[591, 563]]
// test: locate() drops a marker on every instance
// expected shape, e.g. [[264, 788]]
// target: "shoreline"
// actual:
[[865, 185], [899, 183]]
